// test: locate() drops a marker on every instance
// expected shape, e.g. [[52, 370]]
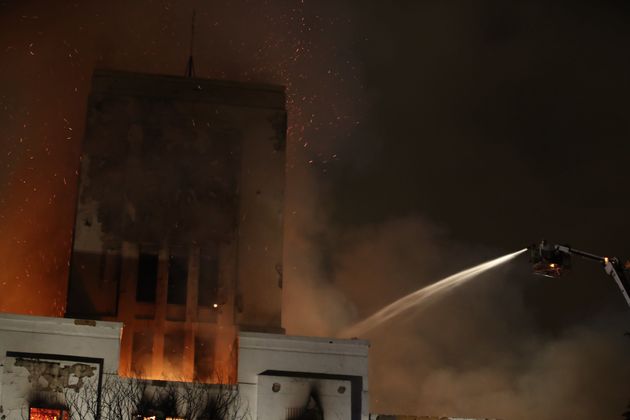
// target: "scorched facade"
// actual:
[[178, 230]]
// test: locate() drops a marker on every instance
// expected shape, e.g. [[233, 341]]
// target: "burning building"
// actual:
[[175, 289], [178, 230], [60, 368]]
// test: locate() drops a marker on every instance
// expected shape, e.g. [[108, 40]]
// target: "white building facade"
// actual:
[[58, 368], [285, 377], [44, 359]]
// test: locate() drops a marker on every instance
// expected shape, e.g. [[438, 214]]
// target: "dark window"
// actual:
[[208, 281], [177, 279], [147, 277], [204, 358]]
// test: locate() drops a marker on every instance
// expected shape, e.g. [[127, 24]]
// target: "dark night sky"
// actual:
[[425, 136], [503, 123]]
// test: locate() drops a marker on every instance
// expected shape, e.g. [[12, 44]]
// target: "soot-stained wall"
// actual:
[[191, 171]]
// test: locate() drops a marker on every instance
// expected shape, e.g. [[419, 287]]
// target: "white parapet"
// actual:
[[42, 357], [281, 376], [61, 336]]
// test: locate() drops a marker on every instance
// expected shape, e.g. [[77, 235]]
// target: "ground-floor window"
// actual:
[[48, 414], [155, 418]]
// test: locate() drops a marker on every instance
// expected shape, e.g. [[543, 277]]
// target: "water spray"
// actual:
[[423, 296]]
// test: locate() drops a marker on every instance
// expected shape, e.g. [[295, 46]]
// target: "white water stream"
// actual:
[[423, 296]]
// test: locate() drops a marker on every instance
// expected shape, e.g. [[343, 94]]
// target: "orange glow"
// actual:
[[157, 367], [35, 244], [47, 414]]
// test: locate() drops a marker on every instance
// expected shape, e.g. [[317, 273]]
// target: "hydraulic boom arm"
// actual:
[[552, 260]]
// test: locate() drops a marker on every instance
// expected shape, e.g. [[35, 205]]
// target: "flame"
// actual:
[[47, 414]]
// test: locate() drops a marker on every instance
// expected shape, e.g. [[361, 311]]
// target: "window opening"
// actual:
[[147, 276]]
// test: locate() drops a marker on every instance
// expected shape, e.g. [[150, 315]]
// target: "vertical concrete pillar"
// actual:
[[126, 303], [224, 353], [225, 332], [192, 290], [160, 312]]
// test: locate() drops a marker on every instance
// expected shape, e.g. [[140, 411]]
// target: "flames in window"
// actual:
[[48, 414], [155, 418]]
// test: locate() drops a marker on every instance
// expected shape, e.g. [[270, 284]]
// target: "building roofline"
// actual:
[[55, 325], [330, 340], [222, 92], [230, 83]]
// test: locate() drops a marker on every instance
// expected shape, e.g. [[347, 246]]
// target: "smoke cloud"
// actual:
[[418, 130], [475, 352], [475, 131]]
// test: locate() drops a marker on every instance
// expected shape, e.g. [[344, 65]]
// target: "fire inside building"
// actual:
[[176, 270], [178, 229], [175, 290]]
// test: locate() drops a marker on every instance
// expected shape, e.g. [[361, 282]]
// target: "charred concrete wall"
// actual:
[[42, 360], [178, 230], [303, 377]]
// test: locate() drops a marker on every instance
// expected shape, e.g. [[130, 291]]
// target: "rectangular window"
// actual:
[[204, 358], [110, 266], [177, 279], [140, 416], [208, 281], [142, 353], [294, 413], [174, 347], [36, 413], [147, 276]]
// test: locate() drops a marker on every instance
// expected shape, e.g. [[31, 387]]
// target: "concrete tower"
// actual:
[[178, 230]]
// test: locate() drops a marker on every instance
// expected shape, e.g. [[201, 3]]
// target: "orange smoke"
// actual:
[[36, 232], [50, 51]]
